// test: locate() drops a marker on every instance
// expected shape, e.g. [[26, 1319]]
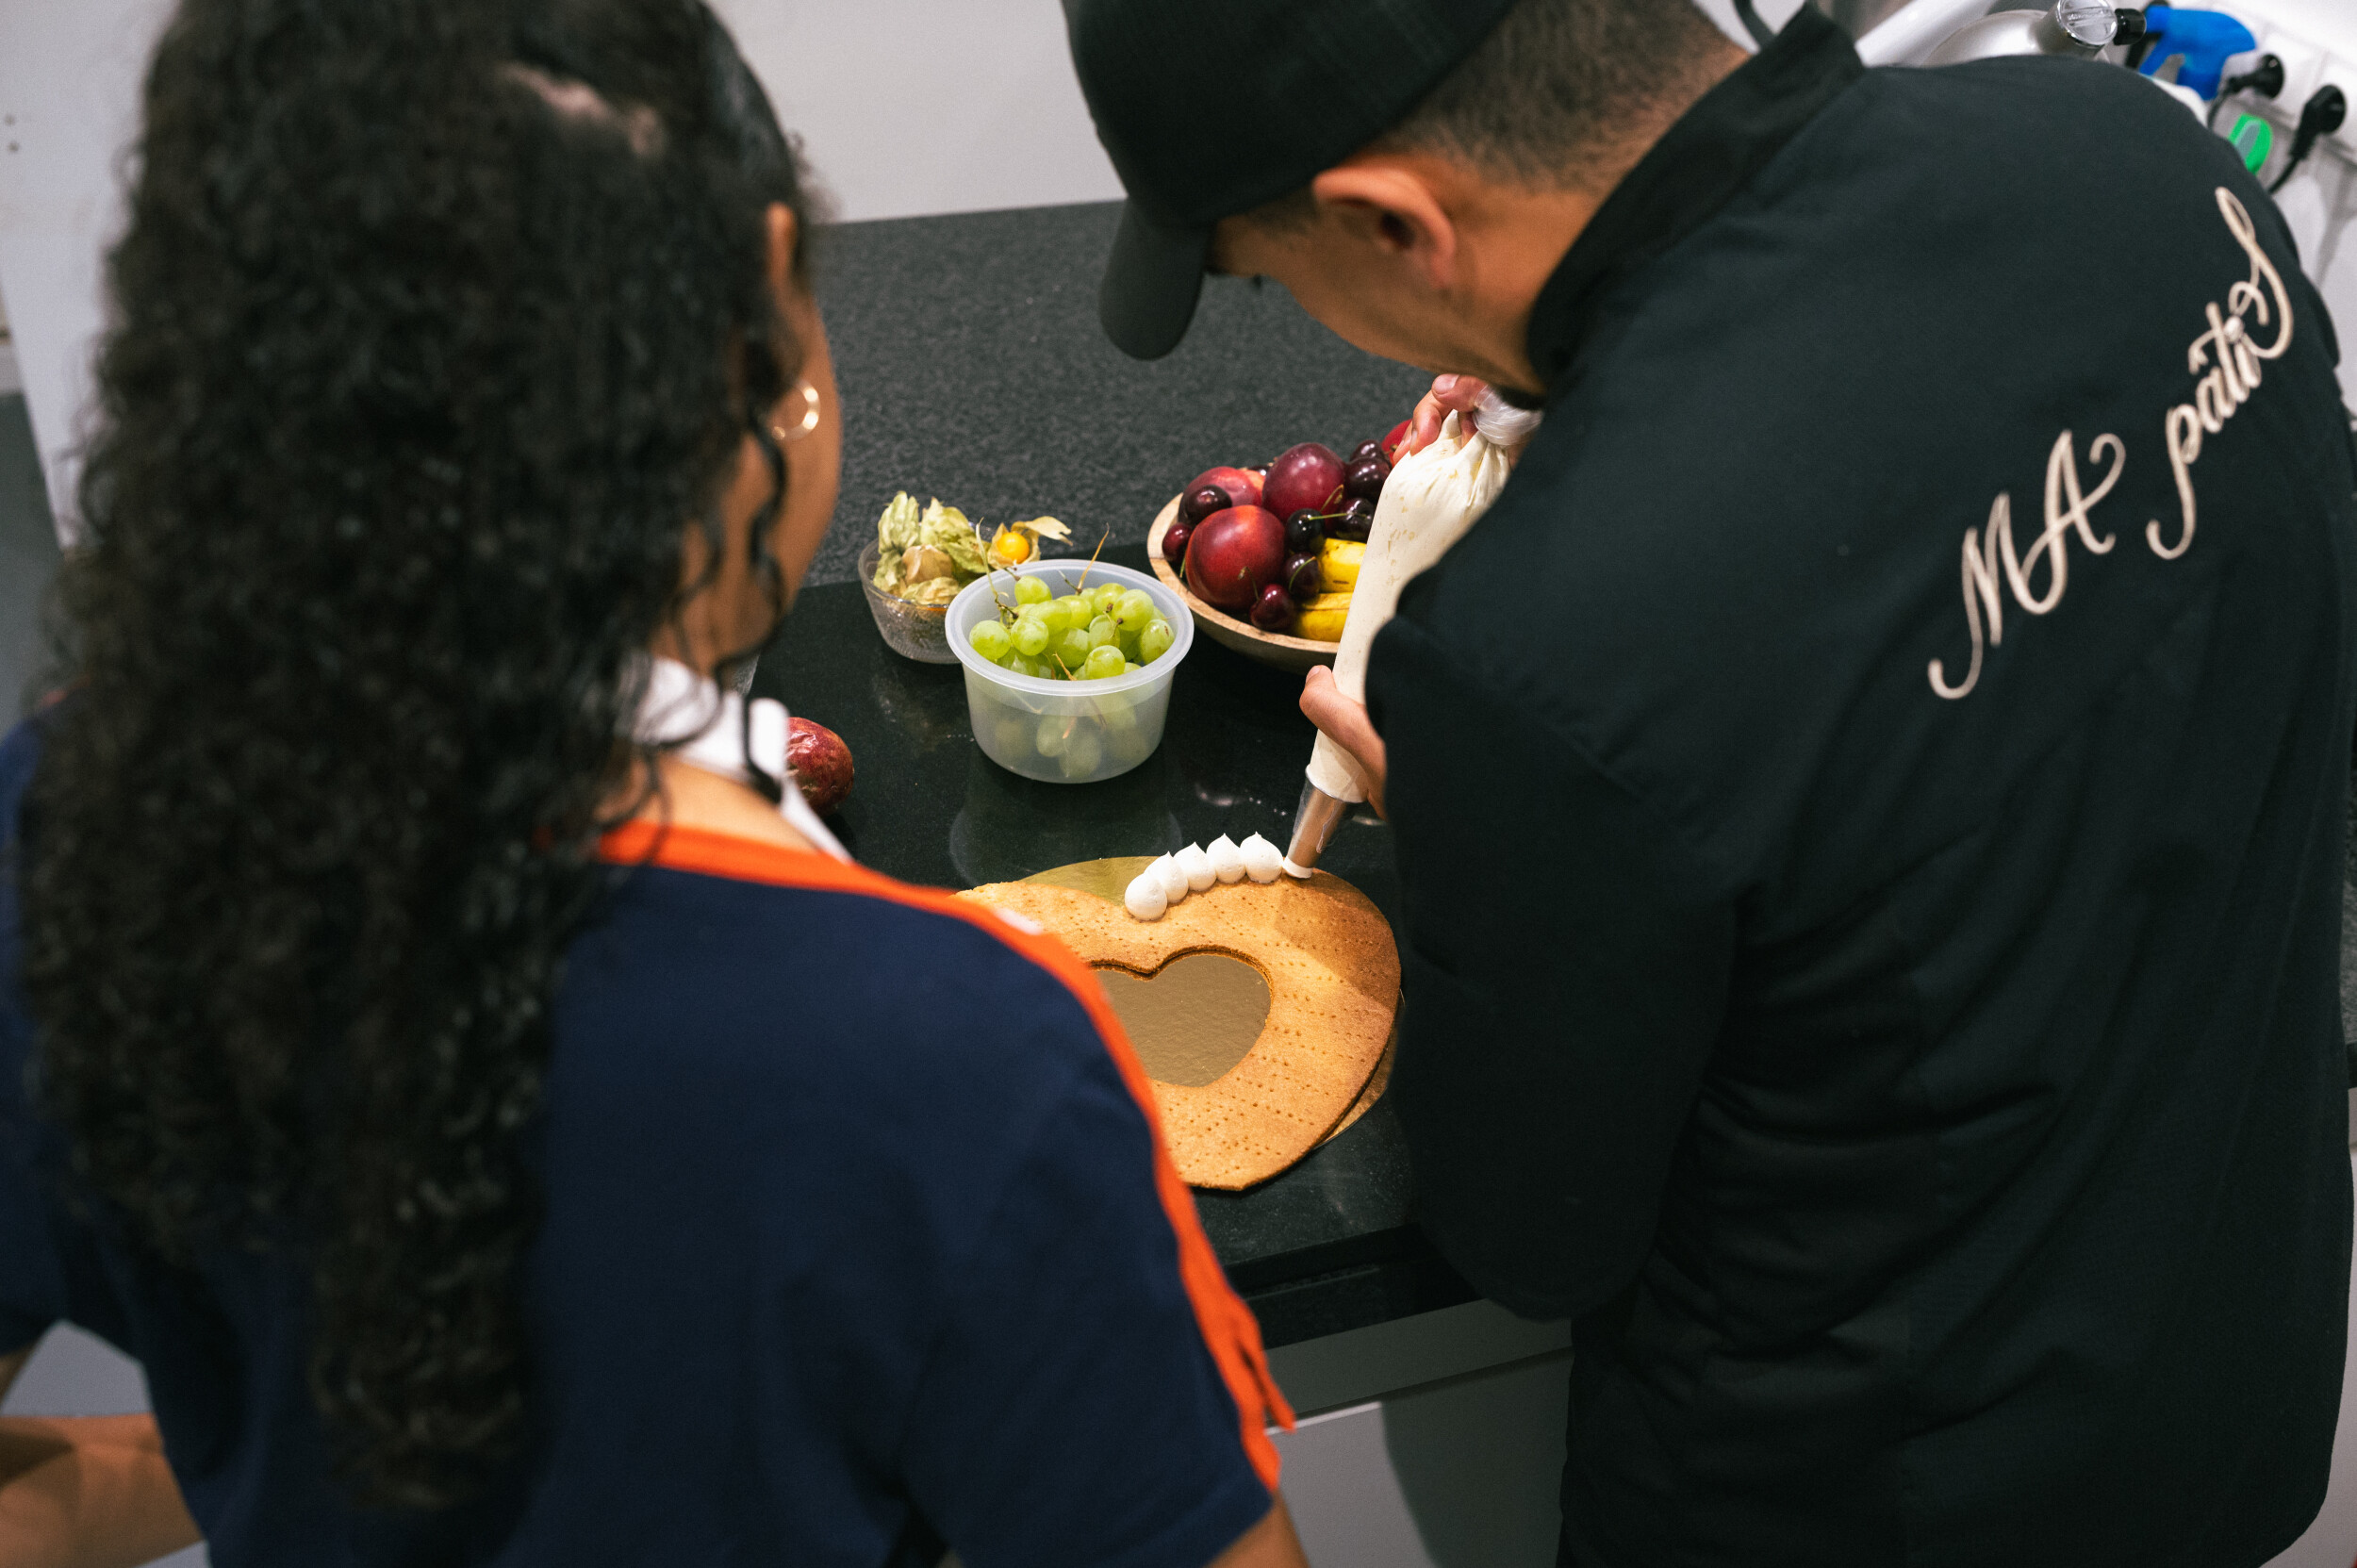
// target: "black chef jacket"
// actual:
[[1869, 806]]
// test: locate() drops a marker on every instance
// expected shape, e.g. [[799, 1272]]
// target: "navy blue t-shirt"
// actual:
[[857, 1229]]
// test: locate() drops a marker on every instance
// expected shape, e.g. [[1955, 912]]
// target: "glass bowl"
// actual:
[[913, 630]]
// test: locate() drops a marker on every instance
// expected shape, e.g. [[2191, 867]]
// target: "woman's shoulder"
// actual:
[[877, 936], [815, 977], [853, 1066]]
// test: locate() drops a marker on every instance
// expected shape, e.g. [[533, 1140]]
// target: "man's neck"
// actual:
[[1517, 238]]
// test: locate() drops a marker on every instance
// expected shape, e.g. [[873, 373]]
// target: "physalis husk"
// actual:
[[1017, 542]]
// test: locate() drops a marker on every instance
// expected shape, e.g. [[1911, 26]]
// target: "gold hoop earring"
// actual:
[[809, 420]]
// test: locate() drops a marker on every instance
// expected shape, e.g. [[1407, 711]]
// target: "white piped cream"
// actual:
[[1197, 866], [1226, 860], [1174, 880], [1262, 860], [1145, 900], [1299, 873]]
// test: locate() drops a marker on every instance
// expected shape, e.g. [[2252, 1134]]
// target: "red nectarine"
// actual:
[[1242, 486], [1234, 554]]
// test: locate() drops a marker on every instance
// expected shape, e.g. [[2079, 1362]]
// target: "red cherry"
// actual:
[[1273, 611], [1353, 522], [1241, 485], [1304, 579], [1203, 502]]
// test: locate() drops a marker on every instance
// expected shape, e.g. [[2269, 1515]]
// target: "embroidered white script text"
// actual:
[[2225, 360]]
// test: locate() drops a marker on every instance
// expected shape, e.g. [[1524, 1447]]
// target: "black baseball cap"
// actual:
[[1211, 108]]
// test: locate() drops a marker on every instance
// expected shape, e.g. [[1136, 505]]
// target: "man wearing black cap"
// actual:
[[1869, 796]]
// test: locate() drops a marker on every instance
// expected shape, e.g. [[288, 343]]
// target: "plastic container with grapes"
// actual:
[[1065, 732]]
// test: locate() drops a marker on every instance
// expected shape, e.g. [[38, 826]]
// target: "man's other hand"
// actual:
[[1347, 724]]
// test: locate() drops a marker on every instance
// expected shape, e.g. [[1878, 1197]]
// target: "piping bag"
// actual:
[[1428, 502]]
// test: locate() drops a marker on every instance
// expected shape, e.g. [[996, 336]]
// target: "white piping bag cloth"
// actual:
[[1429, 501], [684, 706]]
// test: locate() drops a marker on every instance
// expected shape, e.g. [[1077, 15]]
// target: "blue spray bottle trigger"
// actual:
[[2205, 39]]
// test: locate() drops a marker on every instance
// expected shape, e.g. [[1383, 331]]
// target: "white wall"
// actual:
[[906, 108], [2317, 41], [68, 89], [914, 107], [8, 382]]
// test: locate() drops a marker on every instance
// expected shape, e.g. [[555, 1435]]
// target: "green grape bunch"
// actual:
[[1091, 633]]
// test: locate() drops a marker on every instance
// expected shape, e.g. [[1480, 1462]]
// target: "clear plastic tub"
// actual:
[[1065, 732]]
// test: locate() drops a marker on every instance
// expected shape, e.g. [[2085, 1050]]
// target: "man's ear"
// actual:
[[1399, 214]]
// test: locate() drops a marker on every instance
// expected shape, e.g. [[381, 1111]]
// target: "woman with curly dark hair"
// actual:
[[435, 1040]]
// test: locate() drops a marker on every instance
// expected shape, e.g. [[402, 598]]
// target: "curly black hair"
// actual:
[[436, 324]]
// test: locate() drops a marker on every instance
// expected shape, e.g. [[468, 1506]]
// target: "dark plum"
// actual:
[[1305, 579], [1363, 479], [821, 763], [1305, 477], [1175, 542], [1304, 530], [1273, 611], [1202, 502]]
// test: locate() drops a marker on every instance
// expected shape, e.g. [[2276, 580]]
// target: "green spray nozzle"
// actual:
[[2253, 138]]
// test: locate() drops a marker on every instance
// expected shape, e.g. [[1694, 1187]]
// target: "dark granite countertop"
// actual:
[[972, 368], [1331, 1244]]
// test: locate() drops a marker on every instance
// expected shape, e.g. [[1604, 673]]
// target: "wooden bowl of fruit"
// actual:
[[1265, 559]]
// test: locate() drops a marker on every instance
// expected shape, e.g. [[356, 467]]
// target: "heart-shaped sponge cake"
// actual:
[[1333, 979]]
